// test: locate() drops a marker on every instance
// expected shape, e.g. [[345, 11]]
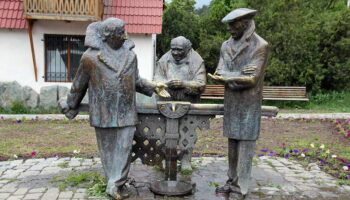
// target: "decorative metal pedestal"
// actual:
[[166, 130], [171, 188]]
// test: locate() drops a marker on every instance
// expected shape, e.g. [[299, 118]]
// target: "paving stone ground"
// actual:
[[272, 178]]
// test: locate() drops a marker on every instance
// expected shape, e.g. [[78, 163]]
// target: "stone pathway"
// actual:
[[272, 178]]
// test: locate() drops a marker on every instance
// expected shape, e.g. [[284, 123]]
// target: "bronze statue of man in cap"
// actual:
[[109, 70], [243, 59], [182, 70]]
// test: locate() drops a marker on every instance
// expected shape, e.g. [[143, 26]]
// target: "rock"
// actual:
[[49, 96], [31, 98], [10, 92], [62, 92], [86, 98], [313, 166]]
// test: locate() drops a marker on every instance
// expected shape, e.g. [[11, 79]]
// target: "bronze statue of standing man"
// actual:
[[241, 68], [109, 70]]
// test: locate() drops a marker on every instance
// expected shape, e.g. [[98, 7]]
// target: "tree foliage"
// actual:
[[309, 40], [179, 19]]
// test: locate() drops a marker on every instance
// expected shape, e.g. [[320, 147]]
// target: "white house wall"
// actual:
[[16, 59]]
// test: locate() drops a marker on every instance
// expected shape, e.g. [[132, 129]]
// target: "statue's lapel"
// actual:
[[240, 49], [117, 62]]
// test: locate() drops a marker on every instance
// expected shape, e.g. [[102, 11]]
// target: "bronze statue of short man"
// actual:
[[109, 70], [182, 70], [243, 60]]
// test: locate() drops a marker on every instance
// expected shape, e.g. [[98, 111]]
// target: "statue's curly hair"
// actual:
[[110, 26], [183, 41]]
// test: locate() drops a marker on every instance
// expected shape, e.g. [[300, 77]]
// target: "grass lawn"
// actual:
[[61, 137], [49, 137]]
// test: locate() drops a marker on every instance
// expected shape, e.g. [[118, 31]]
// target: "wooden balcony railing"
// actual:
[[71, 10]]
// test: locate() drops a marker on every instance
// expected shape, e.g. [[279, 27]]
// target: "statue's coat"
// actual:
[[112, 78], [191, 70], [243, 101]]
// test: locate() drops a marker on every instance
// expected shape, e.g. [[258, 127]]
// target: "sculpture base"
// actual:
[[171, 188]]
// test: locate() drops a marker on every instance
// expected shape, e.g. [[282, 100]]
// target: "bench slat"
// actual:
[[269, 93]]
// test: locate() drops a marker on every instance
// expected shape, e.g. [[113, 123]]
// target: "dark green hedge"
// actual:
[[309, 39]]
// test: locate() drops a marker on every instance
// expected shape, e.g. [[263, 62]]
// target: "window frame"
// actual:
[[68, 80]]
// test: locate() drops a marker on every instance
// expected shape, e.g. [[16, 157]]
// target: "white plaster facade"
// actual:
[[16, 58]]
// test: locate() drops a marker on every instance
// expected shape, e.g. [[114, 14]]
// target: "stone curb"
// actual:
[[284, 116]]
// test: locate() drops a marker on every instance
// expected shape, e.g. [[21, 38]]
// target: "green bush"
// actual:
[[309, 40]]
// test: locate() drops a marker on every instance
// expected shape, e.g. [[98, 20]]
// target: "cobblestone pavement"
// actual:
[[272, 178]]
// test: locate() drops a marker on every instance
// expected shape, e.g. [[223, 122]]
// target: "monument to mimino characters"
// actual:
[[109, 70]]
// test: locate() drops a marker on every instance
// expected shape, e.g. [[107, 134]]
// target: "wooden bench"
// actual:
[[276, 93]]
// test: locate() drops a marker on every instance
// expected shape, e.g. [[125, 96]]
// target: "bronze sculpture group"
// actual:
[[109, 70]]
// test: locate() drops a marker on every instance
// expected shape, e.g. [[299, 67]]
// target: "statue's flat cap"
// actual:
[[240, 13]]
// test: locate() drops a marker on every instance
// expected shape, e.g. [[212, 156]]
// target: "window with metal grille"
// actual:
[[62, 56]]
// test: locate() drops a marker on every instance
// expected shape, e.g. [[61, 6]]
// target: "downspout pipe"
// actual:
[[30, 33]]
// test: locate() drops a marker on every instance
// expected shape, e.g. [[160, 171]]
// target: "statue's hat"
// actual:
[[240, 13]]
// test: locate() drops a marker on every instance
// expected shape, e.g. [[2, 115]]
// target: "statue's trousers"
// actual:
[[115, 146], [240, 158]]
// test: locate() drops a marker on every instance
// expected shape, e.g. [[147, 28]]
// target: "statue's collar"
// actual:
[[114, 59], [246, 36]]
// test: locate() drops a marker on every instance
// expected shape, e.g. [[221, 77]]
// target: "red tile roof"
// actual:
[[140, 16], [11, 14]]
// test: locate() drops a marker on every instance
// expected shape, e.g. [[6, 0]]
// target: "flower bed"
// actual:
[[343, 127]]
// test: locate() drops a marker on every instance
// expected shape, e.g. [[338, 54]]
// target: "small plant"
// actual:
[[62, 186], [186, 171], [88, 180], [275, 186], [255, 161], [10, 180], [213, 184], [18, 108], [98, 186], [343, 127], [63, 165], [158, 168], [343, 182], [76, 179], [269, 163]]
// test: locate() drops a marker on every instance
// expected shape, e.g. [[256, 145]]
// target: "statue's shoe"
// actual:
[[227, 188], [119, 193]]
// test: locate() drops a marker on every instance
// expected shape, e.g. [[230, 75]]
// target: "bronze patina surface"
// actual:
[[109, 70], [243, 59], [182, 70]]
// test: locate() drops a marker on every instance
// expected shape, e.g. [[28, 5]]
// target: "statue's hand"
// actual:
[[71, 114], [175, 84], [63, 106], [249, 70], [161, 91], [217, 77]]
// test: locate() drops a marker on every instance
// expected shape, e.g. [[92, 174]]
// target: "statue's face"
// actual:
[[237, 28], [116, 39], [178, 52]]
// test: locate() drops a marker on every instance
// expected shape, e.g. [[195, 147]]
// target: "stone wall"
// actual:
[[13, 92]]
